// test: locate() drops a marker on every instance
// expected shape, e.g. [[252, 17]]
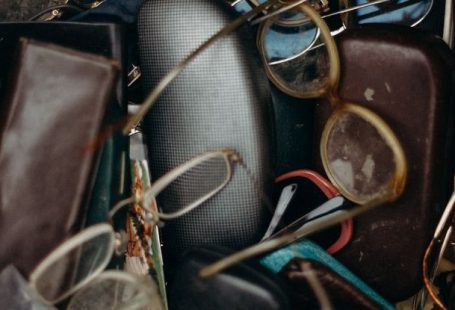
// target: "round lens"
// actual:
[[298, 52], [117, 290], [74, 263], [362, 156], [287, 38], [401, 12]]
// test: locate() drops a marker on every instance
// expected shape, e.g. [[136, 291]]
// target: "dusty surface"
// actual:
[[15, 10]]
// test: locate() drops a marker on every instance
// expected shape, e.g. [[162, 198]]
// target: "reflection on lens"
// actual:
[[196, 184], [358, 157], [283, 40], [73, 265], [298, 67], [401, 12], [116, 290]]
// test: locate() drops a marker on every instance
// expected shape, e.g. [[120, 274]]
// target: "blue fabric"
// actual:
[[113, 10], [307, 249]]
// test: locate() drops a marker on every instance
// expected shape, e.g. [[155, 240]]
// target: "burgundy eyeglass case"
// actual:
[[407, 77]]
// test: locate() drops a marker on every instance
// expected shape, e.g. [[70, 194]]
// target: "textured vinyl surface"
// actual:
[[221, 100]]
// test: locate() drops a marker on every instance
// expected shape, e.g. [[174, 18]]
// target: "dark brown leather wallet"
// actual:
[[54, 108]]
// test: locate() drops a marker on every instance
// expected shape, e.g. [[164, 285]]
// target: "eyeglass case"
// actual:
[[221, 100], [407, 77], [53, 109], [281, 260], [244, 286]]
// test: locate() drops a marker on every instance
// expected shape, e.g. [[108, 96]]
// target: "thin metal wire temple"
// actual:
[[171, 75]]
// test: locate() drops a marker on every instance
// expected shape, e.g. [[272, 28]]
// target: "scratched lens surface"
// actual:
[[306, 68], [359, 157], [113, 293], [286, 37], [74, 266]]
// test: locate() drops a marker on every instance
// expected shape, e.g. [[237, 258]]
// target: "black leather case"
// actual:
[[244, 286]]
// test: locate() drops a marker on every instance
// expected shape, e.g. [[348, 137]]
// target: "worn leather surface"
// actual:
[[104, 39], [406, 77], [244, 286], [53, 110], [341, 294]]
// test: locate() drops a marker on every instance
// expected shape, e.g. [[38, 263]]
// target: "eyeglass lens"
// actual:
[[309, 70], [110, 294], [359, 157], [202, 180], [74, 267]]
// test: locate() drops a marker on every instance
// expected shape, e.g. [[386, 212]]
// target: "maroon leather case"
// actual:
[[54, 108], [407, 77]]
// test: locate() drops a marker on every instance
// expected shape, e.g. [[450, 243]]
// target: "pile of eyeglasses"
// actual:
[[361, 155]]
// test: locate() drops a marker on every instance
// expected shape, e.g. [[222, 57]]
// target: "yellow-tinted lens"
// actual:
[[306, 68], [362, 156]]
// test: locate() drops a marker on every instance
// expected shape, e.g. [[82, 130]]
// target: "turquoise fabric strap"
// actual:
[[307, 249]]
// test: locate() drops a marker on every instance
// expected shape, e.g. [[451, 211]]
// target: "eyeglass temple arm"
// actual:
[[448, 32], [269, 245], [171, 75], [448, 211], [330, 206], [286, 196]]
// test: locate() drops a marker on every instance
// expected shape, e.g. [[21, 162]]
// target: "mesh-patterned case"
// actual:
[[222, 100]]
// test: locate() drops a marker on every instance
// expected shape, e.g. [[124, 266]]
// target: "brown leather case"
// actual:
[[54, 109], [341, 293], [406, 77]]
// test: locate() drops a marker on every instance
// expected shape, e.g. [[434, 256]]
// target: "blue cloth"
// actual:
[[112, 10]]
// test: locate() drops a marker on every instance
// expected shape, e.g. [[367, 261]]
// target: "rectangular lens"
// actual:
[[196, 184]]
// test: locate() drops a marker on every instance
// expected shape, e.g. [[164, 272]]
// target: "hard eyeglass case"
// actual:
[[221, 100], [407, 77], [244, 286], [104, 39]]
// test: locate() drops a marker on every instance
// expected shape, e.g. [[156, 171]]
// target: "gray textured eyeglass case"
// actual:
[[222, 100]]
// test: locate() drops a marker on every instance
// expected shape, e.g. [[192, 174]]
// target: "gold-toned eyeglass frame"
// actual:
[[88, 234], [440, 238], [396, 187], [266, 8], [330, 90], [229, 156]]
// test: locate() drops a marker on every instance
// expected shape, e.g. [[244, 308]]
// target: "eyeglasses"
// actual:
[[266, 8], [76, 267], [438, 246], [345, 232], [290, 36], [187, 186], [360, 153]]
